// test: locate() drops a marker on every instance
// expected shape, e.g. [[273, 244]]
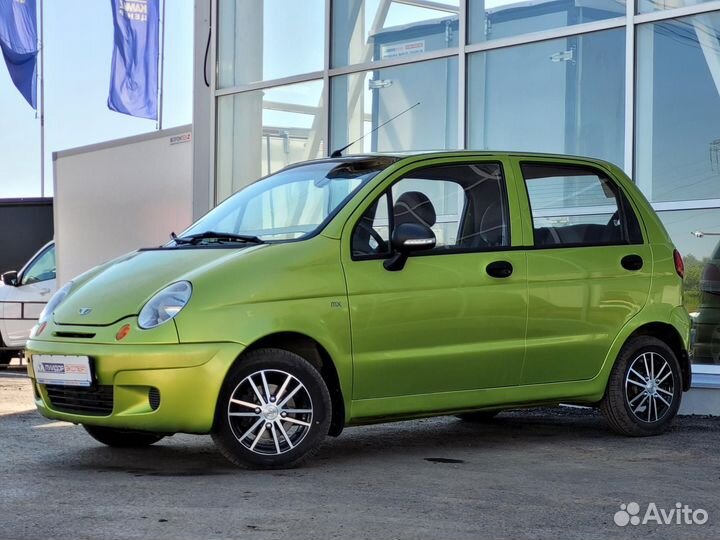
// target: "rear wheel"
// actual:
[[273, 411], [644, 390], [478, 417], [122, 438]]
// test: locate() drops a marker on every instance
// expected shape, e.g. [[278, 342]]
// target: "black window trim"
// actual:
[[430, 253], [624, 207]]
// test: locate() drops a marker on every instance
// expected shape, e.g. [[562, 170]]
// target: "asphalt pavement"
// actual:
[[548, 473]]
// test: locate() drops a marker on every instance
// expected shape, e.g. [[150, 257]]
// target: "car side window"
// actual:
[[577, 206], [464, 205], [41, 269]]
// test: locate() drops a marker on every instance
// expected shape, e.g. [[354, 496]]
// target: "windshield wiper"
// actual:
[[193, 239]]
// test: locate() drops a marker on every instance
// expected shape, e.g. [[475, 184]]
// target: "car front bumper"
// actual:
[[185, 377]]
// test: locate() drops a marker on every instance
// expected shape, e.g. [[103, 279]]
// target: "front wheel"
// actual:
[[273, 411], [122, 438], [644, 390]]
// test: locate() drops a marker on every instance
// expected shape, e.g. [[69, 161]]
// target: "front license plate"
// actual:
[[62, 370]]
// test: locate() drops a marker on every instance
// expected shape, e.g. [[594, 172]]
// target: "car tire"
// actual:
[[644, 389], [122, 438], [478, 417], [273, 411]]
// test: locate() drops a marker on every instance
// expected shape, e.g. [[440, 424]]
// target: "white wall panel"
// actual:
[[115, 197]]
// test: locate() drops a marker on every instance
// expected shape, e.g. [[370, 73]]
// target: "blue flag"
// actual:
[[134, 76], [18, 41]]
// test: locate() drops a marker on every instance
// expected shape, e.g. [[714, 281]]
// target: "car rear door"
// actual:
[[589, 269], [442, 324]]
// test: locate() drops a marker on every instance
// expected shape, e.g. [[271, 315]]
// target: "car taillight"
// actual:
[[679, 264]]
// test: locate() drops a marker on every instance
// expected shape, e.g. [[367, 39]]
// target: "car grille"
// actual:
[[87, 401]]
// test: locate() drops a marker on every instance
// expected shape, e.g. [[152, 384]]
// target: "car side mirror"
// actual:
[[10, 278], [406, 239]]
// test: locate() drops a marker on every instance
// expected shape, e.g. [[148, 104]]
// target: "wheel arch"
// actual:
[[314, 352], [669, 335]]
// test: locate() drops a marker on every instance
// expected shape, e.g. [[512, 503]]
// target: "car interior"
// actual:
[[479, 223]]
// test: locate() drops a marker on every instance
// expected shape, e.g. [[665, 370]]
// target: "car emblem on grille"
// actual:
[[85, 310]]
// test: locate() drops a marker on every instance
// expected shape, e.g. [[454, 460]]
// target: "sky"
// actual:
[[78, 52]]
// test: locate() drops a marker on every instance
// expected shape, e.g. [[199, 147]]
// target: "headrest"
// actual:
[[414, 207]]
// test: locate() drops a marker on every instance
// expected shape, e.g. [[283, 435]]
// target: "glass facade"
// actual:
[[495, 19], [645, 6], [561, 96], [547, 75], [258, 40], [678, 109], [370, 30], [425, 115], [696, 234], [262, 131]]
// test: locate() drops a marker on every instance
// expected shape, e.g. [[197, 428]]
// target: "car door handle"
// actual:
[[499, 269], [43, 292], [632, 262]]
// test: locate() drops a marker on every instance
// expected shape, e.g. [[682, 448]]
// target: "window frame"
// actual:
[[387, 192], [624, 205]]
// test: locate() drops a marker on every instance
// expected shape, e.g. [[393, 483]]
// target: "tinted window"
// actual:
[[577, 206], [464, 205]]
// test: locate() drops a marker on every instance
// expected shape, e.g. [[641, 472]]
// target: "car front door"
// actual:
[[589, 271], [23, 303], [452, 320]]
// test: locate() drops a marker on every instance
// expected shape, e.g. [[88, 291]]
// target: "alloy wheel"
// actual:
[[270, 412], [649, 387]]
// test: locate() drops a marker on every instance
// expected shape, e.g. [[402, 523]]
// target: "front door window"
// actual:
[[41, 269], [464, 205]]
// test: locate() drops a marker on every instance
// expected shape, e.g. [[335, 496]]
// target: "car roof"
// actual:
[[454, 153]]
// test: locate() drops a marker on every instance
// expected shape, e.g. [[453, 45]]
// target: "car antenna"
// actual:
[[338, 153]]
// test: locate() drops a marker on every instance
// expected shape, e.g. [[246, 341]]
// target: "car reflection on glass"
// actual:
[[706, 323]]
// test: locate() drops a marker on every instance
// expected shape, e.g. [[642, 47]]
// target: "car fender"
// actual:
[[675, 316]]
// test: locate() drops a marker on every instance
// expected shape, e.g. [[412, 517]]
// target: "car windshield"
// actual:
[[288, 205]]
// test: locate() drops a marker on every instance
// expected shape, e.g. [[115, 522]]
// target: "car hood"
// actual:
[[121, 288]]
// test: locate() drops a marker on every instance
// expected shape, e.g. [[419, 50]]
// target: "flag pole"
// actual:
[[42, 102], [162, 69]]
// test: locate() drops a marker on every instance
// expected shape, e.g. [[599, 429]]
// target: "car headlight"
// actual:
[[165, 305], [54, 302]]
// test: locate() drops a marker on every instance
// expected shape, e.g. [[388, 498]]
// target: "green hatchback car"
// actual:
[[372, 288]]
